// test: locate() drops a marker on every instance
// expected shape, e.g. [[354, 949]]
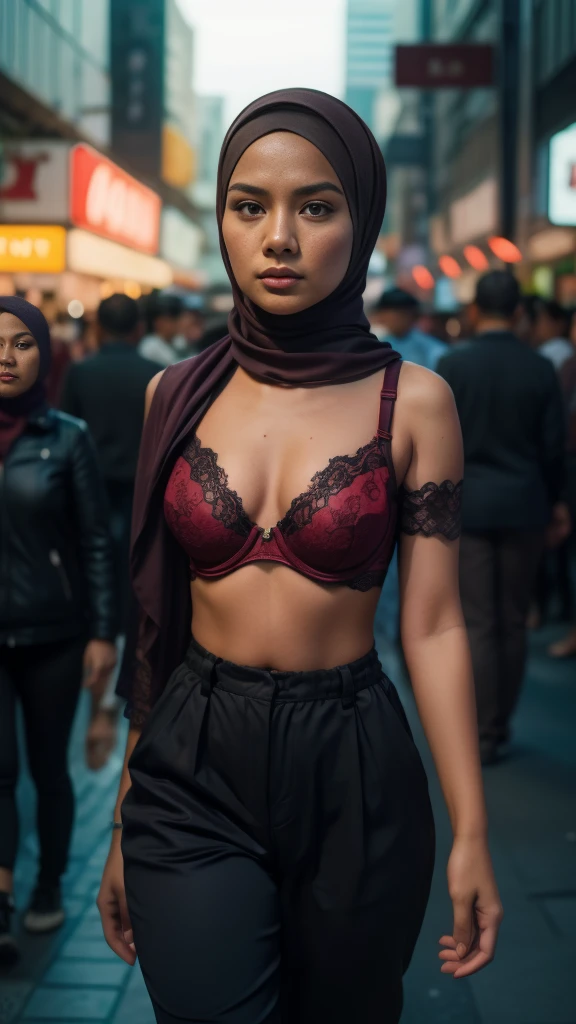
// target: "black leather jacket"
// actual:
[[56, 566]]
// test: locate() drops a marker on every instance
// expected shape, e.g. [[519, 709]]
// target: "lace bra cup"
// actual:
[[340, 530]]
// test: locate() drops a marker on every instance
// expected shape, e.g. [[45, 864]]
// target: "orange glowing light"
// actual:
[[476, 257], [422, 277], [449, 266], [505, 250]]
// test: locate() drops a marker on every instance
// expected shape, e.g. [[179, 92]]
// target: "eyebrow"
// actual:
[[304, 190], [23, 334]]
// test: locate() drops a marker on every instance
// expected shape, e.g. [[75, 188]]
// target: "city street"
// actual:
[[73, 977]]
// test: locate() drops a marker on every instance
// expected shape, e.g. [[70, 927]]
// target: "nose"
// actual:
[[280, 236], [7, 357]]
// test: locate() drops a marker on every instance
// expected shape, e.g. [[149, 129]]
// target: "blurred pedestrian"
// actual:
[[394, 319], [511, 414], [164, 320], [57, 616], [192, 326], [107, 391], [550, 332]]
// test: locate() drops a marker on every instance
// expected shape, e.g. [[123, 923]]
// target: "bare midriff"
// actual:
[[269, 616], [266, 614]]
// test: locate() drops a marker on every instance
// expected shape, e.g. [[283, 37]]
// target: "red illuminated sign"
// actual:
[[442, 66], [108, 201]]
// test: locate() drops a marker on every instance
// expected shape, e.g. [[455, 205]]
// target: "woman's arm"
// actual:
[[438, 659]]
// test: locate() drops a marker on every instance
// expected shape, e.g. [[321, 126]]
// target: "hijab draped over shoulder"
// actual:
[[328, 343]]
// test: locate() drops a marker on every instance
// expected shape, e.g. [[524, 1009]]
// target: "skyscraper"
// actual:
[[369, 42]]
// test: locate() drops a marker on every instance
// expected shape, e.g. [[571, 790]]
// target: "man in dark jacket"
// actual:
[[512, 421], [107, 391]]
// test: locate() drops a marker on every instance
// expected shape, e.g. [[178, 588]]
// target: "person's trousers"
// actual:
[[278, 845], [497, 575], [46, 679]]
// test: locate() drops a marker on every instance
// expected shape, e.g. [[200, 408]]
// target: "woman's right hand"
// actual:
[[112, 905]]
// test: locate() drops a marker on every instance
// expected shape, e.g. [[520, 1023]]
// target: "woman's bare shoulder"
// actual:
[[151, 391], [423, 393]]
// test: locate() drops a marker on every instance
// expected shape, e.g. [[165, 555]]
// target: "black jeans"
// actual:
[[46, 679], [278, 845], [497, 576]]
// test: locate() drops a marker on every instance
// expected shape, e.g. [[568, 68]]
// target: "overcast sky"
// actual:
[[244, 48]]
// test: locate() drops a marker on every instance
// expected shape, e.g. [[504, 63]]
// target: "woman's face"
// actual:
[[286, 226], [19, 357]]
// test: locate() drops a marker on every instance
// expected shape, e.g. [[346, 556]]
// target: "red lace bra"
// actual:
[[340, 530]]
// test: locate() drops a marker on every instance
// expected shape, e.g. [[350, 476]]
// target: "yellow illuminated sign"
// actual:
[[178, 158], [36, 248]]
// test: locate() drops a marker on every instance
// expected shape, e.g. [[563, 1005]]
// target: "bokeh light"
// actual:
[[449, 266], [76, 308], [504, 249]]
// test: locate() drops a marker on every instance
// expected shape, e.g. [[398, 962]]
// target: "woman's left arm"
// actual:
[[438, 659], [92, 524]]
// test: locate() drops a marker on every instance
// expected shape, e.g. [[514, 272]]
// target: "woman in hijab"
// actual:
[[56, 603], [277, 840]]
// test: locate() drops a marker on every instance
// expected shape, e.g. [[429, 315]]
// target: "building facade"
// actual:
[[79, 216], [369, 54]]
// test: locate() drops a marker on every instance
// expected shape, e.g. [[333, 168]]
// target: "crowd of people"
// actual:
[[69, 441]]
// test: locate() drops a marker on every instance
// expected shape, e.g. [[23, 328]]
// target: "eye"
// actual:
[[317, 209], [249, 208], [24, 345]]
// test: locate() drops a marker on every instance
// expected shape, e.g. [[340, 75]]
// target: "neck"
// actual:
[[493, 323]]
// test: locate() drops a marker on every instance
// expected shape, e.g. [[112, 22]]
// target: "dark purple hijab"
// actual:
[[329, 343]]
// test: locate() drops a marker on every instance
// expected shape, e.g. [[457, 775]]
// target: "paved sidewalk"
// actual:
[[72, 977]]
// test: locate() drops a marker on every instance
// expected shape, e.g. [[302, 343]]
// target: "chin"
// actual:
[[282, 305]]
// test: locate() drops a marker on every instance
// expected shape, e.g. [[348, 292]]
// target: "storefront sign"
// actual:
[[88, 254], [440, 66], [138, 71], [33, 248], [34, 182], [562, 177], [108, 201]]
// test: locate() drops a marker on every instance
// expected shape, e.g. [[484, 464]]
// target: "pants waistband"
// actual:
[[344, 681]]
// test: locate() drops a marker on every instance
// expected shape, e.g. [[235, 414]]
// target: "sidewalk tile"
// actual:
[[86, 972], [70, 1004], [88, 949]]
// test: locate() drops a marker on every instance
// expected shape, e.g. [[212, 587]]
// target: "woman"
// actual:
[[57, 619], [278, 842]]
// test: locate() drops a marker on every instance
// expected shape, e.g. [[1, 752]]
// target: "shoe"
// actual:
[[488, 752], [9, 951], [45, 912]]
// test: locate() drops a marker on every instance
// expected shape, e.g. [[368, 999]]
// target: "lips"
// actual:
[[279, 277], [7, 377]]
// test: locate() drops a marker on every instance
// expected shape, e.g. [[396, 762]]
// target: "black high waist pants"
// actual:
[[278, 845]]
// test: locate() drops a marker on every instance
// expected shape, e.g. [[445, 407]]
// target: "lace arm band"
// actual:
[[434, 508]]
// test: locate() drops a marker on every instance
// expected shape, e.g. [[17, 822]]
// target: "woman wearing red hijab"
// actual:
[[277, 836]]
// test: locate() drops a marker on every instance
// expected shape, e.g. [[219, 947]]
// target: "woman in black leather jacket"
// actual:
[[57, 615]]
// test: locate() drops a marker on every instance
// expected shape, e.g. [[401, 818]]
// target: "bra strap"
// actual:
[[387, 399]]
